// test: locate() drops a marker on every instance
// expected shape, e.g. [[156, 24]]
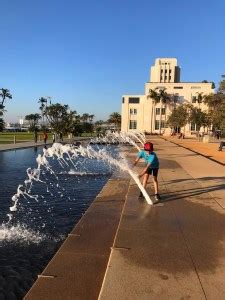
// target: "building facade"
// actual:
[[140, 112]]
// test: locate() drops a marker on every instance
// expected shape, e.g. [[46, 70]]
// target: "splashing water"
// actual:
[[117, 138], [20, 233], [67, 155]]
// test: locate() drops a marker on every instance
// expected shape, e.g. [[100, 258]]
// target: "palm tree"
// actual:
[[199, 98], [85, 117], [4, 94], [155, 99], [164, 99], [159, 95], [115, 118], [32, 120], [43, 102]]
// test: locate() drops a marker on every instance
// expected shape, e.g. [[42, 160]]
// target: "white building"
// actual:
[[140, 112]]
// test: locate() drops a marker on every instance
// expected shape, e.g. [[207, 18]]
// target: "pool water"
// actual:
[[38, 227]]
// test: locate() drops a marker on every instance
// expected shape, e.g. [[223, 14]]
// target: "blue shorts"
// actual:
[[152, 171]]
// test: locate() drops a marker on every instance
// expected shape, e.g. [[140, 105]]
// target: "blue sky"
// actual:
[[87, 54]]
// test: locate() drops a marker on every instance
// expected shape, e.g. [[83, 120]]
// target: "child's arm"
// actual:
[[144, 170], [136, 161]]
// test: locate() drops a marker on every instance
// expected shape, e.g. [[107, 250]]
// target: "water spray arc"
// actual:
[[66, 154]]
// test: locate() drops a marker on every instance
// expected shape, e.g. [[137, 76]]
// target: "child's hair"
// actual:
[[148, 147]]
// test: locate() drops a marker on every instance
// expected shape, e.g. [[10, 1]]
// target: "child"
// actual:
[[151, 168]]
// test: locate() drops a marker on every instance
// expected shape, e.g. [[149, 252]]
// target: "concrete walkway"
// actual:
[[209, 150], [175, 249], [125, 249]]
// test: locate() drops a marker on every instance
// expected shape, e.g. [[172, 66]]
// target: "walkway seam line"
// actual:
[[112, 248]]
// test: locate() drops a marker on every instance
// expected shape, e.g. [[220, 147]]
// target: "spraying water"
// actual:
[[117, 138], [66, 155]]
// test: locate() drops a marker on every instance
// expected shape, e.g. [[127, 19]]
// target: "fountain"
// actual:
[[31, 221], [66, 154]]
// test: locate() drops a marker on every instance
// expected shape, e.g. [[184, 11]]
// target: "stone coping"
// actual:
[[78, 268], [24, 145]]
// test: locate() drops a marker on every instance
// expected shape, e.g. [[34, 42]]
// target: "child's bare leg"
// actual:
[[145, 180], [155, 182]]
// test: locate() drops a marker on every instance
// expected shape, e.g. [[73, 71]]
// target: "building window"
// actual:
[[165, 71], [194, 99], [162, 124], [161, 71], [178, 87], [163, 111], [165, 77], [123, 100], [134, 100], [160, 77], [157, 111], [193, 127], [156, 124], [169, 77], [176, 98], [133, 111], [170, 71], [133, 124], [181, 99]]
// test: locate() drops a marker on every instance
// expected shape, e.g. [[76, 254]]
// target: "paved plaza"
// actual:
[[209, 150], [175, 249], [125, 249]]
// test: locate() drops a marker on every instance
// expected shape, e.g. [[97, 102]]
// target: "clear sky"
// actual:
[[87, 54]]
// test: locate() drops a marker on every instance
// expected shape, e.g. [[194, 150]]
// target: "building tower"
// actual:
[[165, 70]]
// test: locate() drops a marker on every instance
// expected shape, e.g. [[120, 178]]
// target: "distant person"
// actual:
[[152, 167], [217, 135], [35, 135], [45, 137], [53, 138], [222, 144]]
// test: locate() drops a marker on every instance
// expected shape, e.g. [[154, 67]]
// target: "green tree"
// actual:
[[115, 118], [4, 94], [60, 118], [32, 120], [77, 129], [159, 95], [153, 95], [178, 117], [43, 104], [85, 117], [198, 117], [2, 124], [199, 98], [222, 87], [216, 109]]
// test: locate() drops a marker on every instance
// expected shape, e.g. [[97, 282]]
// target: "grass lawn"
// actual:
[[8, 137]]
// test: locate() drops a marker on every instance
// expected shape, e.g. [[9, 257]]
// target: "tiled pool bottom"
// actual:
[[39, 228]]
